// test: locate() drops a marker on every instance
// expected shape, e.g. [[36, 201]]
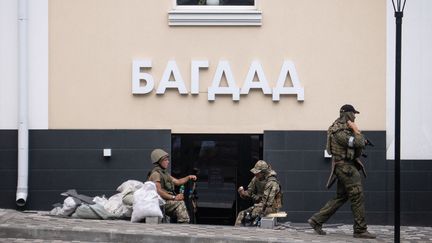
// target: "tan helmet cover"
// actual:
[[157, 155]]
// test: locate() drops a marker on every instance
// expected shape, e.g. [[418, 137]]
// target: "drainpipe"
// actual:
[[22, 184]]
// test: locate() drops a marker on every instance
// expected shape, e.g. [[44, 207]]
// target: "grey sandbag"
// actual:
[[94, 211]]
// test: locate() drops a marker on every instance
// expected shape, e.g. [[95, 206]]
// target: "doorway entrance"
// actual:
[[222, 163]]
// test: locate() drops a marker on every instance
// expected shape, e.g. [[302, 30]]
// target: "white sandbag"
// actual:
[[100, 200], [129, 185], [146, 203], [115, 206], [56, 211], [69, 206]]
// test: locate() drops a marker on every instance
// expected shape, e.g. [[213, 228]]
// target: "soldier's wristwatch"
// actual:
[[172, 197]]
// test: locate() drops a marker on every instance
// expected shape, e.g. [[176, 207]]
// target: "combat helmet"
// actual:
[[260, 166], [157, 154]]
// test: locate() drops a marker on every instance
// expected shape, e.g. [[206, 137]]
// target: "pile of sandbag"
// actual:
[[135, 200], [119, 207], [80, 206]]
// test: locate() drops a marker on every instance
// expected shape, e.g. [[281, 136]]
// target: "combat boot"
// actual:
[[365, 235], [317, 227]]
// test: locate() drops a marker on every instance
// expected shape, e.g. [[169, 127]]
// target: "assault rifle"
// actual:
[[368, 142], [193, 197]]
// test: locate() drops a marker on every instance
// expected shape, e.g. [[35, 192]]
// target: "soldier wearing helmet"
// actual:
[[174, 206], [345, 143], [264, 190]]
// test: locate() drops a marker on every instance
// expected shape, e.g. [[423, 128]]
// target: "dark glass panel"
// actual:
[[222, 163]]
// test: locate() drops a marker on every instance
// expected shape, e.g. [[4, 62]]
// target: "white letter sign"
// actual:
[[232, 88], [195, 67], [288, 68], [177, 83], [223, 69], [137, 76], [260, 84]]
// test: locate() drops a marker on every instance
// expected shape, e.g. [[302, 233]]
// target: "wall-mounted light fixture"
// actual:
[[107, 152]]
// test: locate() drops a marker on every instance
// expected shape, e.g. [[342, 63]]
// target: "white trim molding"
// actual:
[[214, 15]]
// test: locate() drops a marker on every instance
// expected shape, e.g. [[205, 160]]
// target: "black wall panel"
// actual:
[[298, 158], [73, 159], [8, 167], [65, 159]]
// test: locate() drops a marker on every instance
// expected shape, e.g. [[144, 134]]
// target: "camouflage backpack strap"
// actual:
[[279, 196], [336, 126], [329, 138], [328, 145]]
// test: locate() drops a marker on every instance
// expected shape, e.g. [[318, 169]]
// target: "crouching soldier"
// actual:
[[174, 206], [264, 190]]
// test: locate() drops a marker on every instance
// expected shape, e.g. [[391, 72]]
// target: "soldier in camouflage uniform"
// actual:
[[345, 143], [264, 190], [174, 206]]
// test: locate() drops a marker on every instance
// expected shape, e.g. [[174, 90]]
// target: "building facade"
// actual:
[[219, 87]]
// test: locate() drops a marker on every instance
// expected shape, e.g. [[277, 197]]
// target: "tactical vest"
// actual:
[[338, 151], [260, 186], [166, 182]]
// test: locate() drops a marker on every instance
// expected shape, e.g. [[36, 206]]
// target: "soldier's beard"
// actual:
[[348, 116]]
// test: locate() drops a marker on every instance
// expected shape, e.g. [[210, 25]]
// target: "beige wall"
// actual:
[[338, 47]]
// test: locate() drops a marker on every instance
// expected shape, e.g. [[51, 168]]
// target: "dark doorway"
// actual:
[[222, 162]]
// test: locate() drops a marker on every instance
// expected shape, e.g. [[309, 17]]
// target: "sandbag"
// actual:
[[146, 203], [85, 212], [115, 206], [69, 206], [129, 185], [100, 200], [94, 211], [128, 199]]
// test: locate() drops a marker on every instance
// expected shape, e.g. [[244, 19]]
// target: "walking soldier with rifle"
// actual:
[[345, 143]]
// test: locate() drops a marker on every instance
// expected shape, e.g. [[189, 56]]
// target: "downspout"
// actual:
[[23, 138]]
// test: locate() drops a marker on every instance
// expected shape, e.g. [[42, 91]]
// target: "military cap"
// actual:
[[260, 166], [348, 108], [157, 155]]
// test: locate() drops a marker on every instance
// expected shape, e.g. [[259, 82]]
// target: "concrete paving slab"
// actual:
[[18, 226]]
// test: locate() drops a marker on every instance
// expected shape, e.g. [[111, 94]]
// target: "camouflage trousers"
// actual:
[[349, 186], [255, 211], [178, 210]]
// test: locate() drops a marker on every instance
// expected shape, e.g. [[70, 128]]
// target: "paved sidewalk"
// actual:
[[39, 227]]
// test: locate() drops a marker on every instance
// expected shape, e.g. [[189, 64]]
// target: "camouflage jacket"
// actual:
[[344, 146], [255, 189], [266, 192]]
